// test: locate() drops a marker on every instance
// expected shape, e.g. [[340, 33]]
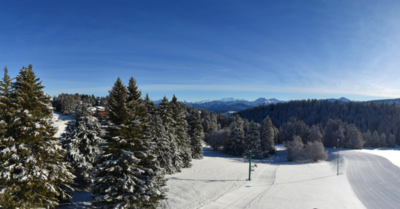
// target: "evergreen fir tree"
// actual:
[[165, 112], [375, 139], [236, 139], [6, 108], [6, 141], [181, 133], [252, 141], [33, 173], [151, 107], [315, 134], [134, 95], [330, 139], [246, 126], [367, 138], [127, 173], [267, 136], [354, 137], [195, 131], [81, 141], [391, 141], [162, 151], [382, 140]]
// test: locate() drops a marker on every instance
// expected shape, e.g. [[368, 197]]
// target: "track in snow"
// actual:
[[374, 179], [244, 196]]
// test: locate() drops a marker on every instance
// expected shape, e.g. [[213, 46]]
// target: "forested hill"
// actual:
[[385, 118]]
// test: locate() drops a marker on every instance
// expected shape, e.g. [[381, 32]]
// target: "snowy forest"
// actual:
[[237, 136], [376, 124], [120, 147], [122, 160]]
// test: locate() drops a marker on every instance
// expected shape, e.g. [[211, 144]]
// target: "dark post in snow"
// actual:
[[249, 165], [338, 157]]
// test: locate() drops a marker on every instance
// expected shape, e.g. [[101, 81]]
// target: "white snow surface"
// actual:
[[61, 121], [392, 154], [374, 179], [220, 181]]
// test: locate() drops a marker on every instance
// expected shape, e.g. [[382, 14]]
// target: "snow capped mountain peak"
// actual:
[[342, 99], [230, 99]]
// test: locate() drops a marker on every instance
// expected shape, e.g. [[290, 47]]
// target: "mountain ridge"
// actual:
[[232, 104]]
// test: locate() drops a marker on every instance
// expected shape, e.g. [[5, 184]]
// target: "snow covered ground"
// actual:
[[374, 179], [221, 181], [61, 121], [392, 154]]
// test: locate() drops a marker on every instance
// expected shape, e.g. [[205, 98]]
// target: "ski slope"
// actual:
[[219, 181], [374, 179], [390, 153]]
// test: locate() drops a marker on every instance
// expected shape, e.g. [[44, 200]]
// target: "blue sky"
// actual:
[[208, 49]]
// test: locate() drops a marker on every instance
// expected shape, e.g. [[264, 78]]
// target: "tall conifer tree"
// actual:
[[162, 151], [128, 173], [6, 108], [354, 138], [315, 134], [165, 112], [236, 139], [33, 173], [391, 141], [151, 107], [81, 140], [252, 141], [181, 133], [267, 136], [196, 133]]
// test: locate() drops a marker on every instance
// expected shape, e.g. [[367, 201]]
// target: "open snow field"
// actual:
[[219, 181], [369, 178], [61, 121], [374, 179], [392, 154]]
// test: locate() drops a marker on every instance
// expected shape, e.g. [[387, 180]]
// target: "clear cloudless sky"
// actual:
[[208, 49]]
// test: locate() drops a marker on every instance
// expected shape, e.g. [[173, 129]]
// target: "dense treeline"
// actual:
[[242, 136], [67, 104], [141, 143], [382, 118]]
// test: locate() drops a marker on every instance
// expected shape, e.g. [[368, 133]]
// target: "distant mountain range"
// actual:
[[342, 99], [388, 101], [232, 104]]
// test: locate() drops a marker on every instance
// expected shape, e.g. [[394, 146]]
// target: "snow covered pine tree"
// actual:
[[128, 173], [162, 151], [267, 136], [165, 112], [33, 173], [81, 141], [196, 133], [181, 133], [234, 145], [252, 142]]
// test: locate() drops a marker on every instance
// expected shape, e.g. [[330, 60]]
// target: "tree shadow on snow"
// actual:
[[81, 199], [205, 180], [63, 117]]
